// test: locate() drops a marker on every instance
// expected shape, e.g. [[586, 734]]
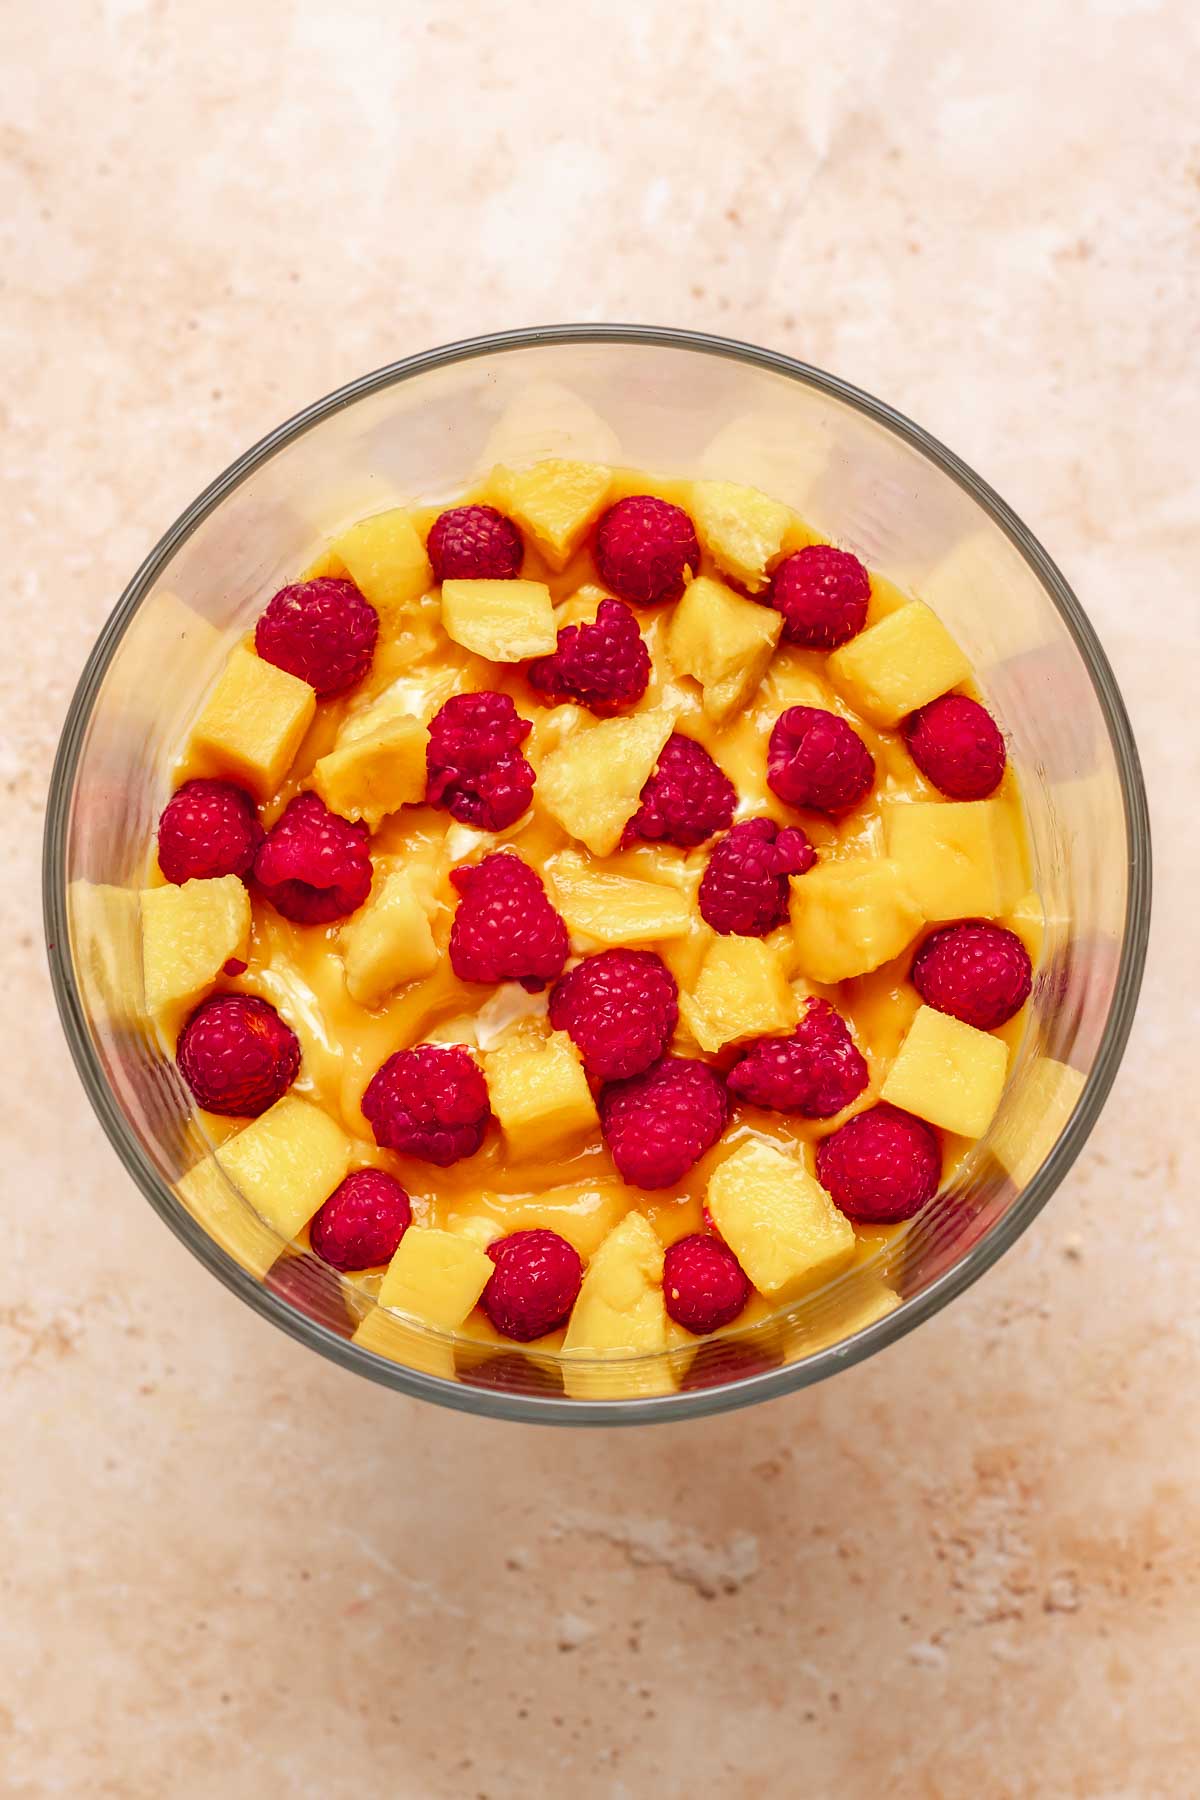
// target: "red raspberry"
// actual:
[[685, 800], [822, 594], [957, 745], [815, 759], [976, 972], [620, 1009], [535, 1285], [430, 1102], [505, 929], [881, 1165], [207, 828], [604, 666], [658, 1124], [814, 1071], [510, 1371], [313, 1289], [644, 548], [314, 866], [237, 1055], [362, 1222], [723, 1360], [474, 543], [744, 889], [323, 631], [704, 1284], [475, 769]]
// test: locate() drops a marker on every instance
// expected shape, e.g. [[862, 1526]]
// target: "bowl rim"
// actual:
[[769, 1384]]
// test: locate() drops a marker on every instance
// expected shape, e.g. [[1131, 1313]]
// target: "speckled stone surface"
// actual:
[[968, 1569]]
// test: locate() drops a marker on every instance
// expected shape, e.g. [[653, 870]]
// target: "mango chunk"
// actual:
[[620, 1305], [253, 723], [386, 1335], [106, 947], [389, 942], [188, 934], [778, 1221], [615, 909], [724, 642], [892, 667], [583, 1212], [947, 851], [742, 992], [367, 777], [849, 917], [506, 621], [592, 782], [386, 560], [539, 1093], [867, 1299], [1035, 1116], [948, 1073], [215, 1204], [287, 1162], [742, 529], [555, 502], [436, 1276]]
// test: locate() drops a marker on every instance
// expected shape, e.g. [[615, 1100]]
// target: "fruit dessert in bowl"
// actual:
[[582, 927]]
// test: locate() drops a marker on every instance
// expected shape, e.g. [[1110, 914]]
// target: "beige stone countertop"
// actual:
[[967, 1570]]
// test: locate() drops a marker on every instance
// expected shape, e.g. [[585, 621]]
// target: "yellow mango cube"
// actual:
[[948, 1073], [436, 1276], [1035, 1116], [615, 909], [742, 529], [555, 502], [724, 642], [947, 850], [385, 1335], [188, 934], [620, 1305], [367, 777], [389, 942], [106, 948], [849, 917], [539, 1093], [582, 1212], [592, 782], [778, 1221], [386, 560], [325, 563], [867, 1298], [506, 621], [905, 660], [215, 1204], [742, 992], [253, 723], [287, 1162]]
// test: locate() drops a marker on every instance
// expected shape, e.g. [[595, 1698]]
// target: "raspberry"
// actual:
[[704, 1285], [881, 1165], [534, 1288], [512, 1372], [658, 1124], [822, 594], [723, 1360], [957, 745], [744, 889], [643, 549], [314, 866], [362, 1222], [814, 759], [430, 1102], [619, 1008], [976, 972], [475, 769], [312, 1289], [207, 828], [814, 1071], [474, 543], [685, 800], [505, 929], [323, 631], [604, 666], [237, 1055]]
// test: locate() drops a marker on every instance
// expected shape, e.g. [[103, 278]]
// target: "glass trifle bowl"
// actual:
[[422, 432]]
